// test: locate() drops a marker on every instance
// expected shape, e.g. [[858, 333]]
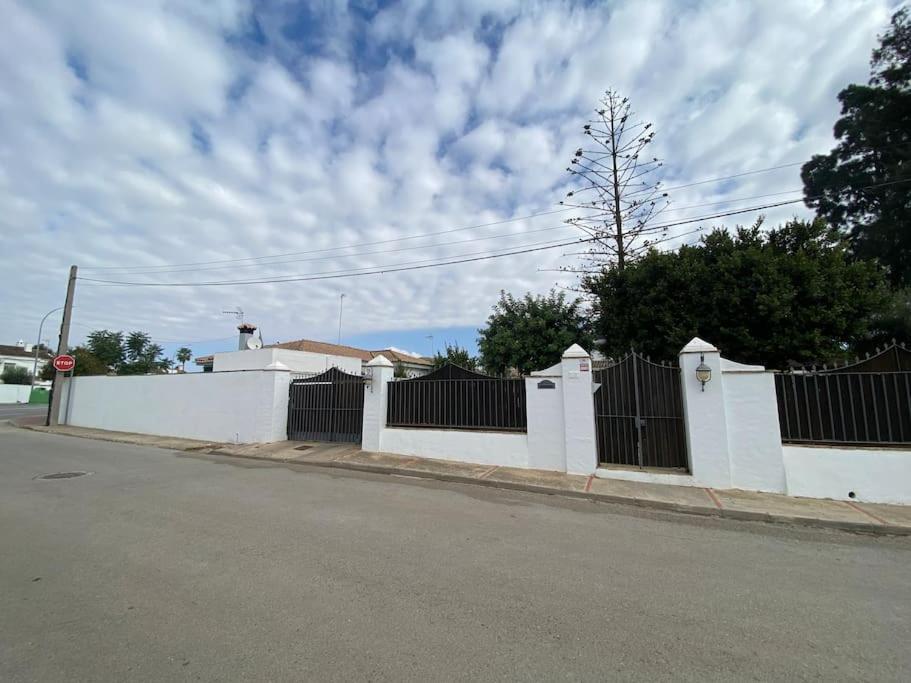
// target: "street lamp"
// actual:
[[38, 345]]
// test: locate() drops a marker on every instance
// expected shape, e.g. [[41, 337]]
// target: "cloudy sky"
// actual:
[[138, 137]]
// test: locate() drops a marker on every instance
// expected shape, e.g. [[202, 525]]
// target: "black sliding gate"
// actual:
[[326, 407], [639, 414]]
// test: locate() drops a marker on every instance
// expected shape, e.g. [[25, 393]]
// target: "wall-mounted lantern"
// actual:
[[703, 371]]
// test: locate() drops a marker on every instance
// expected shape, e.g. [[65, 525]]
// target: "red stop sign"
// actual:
[[64, 363]]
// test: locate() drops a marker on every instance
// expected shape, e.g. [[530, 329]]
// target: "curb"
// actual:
[[200, 446], [214, 448], [740, 515]]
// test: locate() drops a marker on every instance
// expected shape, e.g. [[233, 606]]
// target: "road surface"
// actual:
[[166, 566], [13, 411]]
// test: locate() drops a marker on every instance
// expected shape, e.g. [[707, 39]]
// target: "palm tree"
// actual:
[[183, 355]]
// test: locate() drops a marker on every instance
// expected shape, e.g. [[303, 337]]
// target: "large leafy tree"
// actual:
[[532, 332], [790, 294], [143, 356], [107, 346], [864, 184], [455, 355]]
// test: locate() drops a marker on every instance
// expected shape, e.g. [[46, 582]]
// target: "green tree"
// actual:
[[87, 363], [183, 355], [531, 333], [16, 374], [789, 294], [456, 355], [107, 346], [864, 183]]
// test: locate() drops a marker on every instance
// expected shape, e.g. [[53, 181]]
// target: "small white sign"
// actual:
[[583, 365]]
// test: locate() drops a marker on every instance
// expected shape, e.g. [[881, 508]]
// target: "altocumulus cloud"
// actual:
[[150, 133]]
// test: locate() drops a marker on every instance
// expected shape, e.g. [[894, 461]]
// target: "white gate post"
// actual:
[[704, 415], [375, 395], [578, 411]]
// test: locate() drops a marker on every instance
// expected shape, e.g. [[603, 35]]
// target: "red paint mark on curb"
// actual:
[[862, 511], [588, 484], [711, 494], [487, 472]]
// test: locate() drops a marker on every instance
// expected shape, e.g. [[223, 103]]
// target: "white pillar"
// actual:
[[578, 411], [375, 403], [704, 416], [272, 418]]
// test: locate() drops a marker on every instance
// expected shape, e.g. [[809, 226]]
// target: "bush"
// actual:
[[15, 374]]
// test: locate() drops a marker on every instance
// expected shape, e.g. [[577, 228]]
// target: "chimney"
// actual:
[[246, 333]]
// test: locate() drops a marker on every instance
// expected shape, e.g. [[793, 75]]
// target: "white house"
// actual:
[[306, 355], [22, 355]]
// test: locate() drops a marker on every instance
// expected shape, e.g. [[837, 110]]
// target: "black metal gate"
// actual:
[[639, 414], [326, 407]]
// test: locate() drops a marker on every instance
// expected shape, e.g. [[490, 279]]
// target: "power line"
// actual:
[[156, 269], [327, 249], [563, 226], [418, 265]]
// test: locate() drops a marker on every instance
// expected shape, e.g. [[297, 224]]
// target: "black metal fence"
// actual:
[[867, 402], [456, 398]]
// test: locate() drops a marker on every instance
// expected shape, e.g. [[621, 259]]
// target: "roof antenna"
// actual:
[[238, 313]]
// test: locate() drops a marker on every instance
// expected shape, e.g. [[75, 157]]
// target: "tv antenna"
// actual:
[[238, 313]]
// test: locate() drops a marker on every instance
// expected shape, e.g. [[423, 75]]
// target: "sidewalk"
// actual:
[[730, 504]]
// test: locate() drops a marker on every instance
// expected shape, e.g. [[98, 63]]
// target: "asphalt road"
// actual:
[[12, 411], [165, 566]]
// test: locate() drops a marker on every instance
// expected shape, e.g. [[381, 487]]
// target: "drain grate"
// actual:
[[302, 448], [62, 475]]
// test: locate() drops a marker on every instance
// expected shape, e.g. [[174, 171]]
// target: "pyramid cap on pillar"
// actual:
[[380, 362], [575, 351], [698, 345]]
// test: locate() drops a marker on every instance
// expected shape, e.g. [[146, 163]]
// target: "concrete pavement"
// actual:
[[162, 565]]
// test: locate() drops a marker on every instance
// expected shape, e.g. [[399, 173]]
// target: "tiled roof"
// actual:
[[399, 357], [324, 348], [351, 351], [12, 350]]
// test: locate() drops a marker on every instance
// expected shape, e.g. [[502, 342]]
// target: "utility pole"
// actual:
[[53, 415], [341, 303]]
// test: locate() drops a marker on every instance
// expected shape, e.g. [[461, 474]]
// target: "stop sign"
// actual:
[[64, 363]]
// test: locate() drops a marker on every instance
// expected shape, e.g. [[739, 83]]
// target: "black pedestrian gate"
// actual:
[[639, 414], [326, 407]]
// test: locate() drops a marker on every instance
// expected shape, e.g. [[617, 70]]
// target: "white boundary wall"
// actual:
[[561, 424], [15, 393], [238, 407], [734, 441], [873, 475]]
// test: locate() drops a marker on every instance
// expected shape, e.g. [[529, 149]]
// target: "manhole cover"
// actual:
[[62, 475]]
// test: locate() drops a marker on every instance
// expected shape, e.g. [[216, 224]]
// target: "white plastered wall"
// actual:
[[241, 407], [296, 361]]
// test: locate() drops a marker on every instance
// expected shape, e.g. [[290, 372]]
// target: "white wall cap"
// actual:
[[552, 371], [731, 366], [698, 345], [575, 351], [380, 362], [277, 365]]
